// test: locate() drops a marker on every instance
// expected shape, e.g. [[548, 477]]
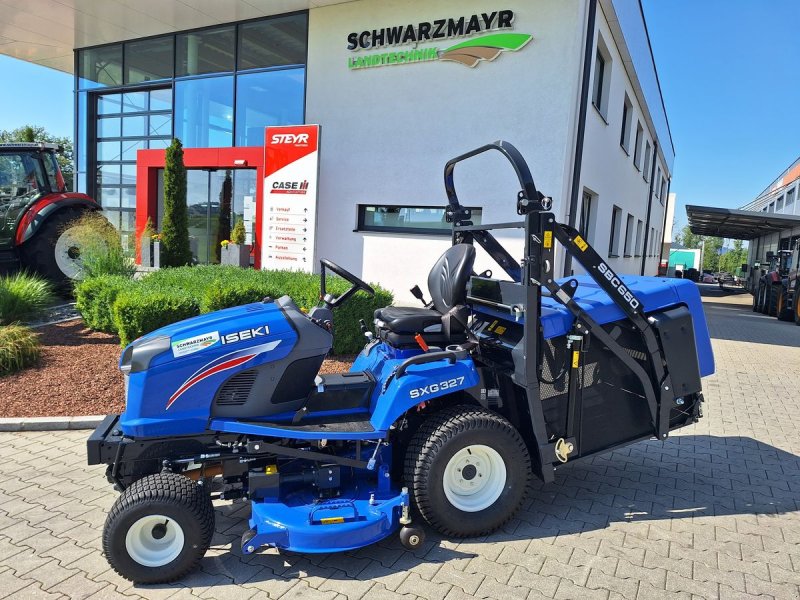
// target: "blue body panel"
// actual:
[[386, 406], [655, 293], [173, 396]]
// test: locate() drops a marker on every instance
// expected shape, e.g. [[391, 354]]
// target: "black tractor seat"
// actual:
[[445, 321]]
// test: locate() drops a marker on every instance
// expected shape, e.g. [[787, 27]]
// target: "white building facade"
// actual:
[[398, 87]]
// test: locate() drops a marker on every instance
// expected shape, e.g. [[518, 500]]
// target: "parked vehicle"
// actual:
[[38, 215], [770, 287], [450, 408], [787, 291]]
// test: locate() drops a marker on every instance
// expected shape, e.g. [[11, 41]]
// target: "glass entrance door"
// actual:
[[216, 199]]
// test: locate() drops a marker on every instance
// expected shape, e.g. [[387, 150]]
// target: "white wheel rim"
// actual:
[[154, 541], [474, 478], [67, 261]]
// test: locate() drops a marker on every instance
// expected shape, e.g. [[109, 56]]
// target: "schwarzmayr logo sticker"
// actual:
[[470, 52]]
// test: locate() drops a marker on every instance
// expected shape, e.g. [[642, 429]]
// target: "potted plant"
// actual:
[[235, 251]]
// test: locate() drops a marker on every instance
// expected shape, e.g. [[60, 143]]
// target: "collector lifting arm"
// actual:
[[529, 198]]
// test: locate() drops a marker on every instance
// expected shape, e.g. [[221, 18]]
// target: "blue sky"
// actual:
[[728, 71], [37, 96], [729, 76]]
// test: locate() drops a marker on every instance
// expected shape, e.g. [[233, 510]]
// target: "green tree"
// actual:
[[175, 249], [36, 133], [732, 261], [710, 245], [224, 229]]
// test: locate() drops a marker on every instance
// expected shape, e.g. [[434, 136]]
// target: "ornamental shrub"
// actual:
[[19, 348], [142, 309], [169, 295], [239, 234], [95, 297], [175, 249]]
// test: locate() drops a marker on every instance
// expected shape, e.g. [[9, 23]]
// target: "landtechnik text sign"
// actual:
[[470, 52], [290, 197]]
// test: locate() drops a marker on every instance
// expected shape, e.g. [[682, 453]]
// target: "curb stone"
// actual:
[[49, 423]]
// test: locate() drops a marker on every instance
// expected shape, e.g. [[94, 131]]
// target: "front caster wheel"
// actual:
[[468, 470], [412, 537], [158, 529]]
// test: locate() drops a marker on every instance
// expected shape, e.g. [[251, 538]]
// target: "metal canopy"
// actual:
[[737, 224]]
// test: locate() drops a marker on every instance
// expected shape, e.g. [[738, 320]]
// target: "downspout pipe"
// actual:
[[584, 104], [649, 206]]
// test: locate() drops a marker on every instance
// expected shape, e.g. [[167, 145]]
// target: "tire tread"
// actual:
[[429, 439]]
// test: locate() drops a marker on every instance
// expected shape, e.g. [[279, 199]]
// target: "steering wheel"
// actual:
[[348, 276]]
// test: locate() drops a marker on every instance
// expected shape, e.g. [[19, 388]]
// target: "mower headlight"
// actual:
[[137, 356]]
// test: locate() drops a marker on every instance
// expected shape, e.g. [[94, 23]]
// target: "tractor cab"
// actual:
[[38, 215]]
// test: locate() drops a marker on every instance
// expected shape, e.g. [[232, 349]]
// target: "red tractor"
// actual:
[[775, 293], [38, 216]]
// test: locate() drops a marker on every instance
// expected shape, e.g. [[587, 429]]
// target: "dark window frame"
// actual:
[[361, 227], [629, 233], [613, 250]]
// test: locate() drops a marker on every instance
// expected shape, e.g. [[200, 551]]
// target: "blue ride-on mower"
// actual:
[[446, 415]]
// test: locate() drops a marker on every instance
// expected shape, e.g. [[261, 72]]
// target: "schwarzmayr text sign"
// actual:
[[481, 45]]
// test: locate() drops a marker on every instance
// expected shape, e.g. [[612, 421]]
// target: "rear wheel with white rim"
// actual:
[[467, 469], [159, 528]]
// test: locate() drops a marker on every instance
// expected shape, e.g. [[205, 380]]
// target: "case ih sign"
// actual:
[[291, 167]]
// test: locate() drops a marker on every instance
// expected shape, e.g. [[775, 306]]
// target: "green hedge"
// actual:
[[132, 308], [141, 310]]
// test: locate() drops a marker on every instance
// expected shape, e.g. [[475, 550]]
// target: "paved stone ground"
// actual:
[[711, 513]]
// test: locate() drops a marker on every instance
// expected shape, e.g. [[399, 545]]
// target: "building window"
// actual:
[[779, 204], [586, 224], [771, 207], [268, 98], [273, 43], [628, 237], [148, 60], [663, 188], [788, 207], [408, 219], [657, 185], [646, 171], [206, 51], [638, 249], [204, 112], [126, 123], [602, 78], [100, 67], [616, 224], [637, 148], [625, 130]]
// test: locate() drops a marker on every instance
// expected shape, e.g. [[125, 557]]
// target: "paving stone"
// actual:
[[711, 512]]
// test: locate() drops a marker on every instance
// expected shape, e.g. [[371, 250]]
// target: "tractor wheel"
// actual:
[[773, 291], [55, 250], [756, 295], [468, 470], [762, 298], [796, 304], [782, 310], [158, 529]]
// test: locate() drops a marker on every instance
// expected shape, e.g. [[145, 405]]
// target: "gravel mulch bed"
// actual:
[[78, 375]]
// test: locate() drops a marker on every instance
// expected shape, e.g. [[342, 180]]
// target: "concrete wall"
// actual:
[[387, 131], [608, 170]]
